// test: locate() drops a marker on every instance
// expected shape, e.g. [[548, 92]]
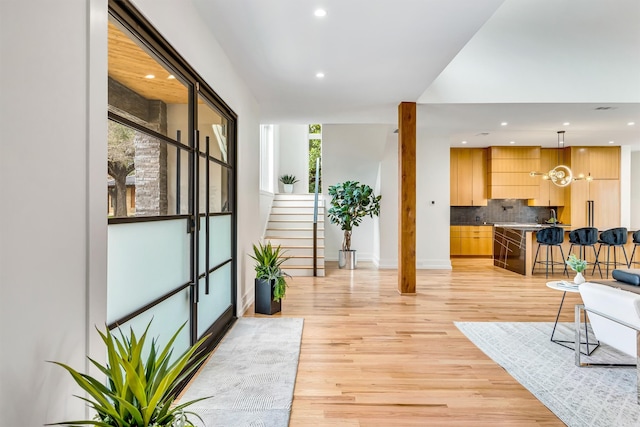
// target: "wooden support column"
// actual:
[[407, 195]]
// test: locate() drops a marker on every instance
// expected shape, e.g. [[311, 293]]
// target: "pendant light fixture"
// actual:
[[560, 175]]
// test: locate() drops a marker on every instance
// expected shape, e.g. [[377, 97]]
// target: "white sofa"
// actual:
[[623, 309]]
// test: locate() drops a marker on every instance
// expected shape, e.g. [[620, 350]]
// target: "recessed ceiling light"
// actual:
[[149, 76], [171, 77], [631, 123], [504, 124], [610, 142], [463, 142], [566, 124], [512, 142], [320, 13], [320, 75]]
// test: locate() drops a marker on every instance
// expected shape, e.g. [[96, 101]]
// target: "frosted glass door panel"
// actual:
[[211, 306], [167, 317], [219, 240], [146, 260]]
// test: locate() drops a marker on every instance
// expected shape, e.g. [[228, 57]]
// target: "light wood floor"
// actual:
[[372, 357]]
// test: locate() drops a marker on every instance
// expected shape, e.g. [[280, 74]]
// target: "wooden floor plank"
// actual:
[[372, 357]]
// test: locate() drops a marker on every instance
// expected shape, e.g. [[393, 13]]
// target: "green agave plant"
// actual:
[[288, 179], [138, 392], [268, 267]]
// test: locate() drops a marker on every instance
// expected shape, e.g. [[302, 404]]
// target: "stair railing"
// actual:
[[315, 222]]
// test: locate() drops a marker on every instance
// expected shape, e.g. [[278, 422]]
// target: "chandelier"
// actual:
[[560, 175]]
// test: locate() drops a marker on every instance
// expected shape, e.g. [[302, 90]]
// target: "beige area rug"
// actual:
[[580, 397], [250, 376]]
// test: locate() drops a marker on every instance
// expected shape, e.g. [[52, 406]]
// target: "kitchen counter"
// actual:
[[511, 244], [514, 245]]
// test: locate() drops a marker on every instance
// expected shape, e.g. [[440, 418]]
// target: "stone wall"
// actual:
[[150, 153]]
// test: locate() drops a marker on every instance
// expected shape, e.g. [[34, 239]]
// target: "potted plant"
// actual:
[[270, 282], [138, 391], [287, 182], [578, 265], [350, 203]]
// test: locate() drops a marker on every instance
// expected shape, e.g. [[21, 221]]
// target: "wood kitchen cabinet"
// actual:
[[471, 240], [550, 194], [509, 171], [468, 169], [603, 163], [605, 195], [599, 162]]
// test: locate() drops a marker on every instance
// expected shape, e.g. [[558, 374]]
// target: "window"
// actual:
[[315, 152]]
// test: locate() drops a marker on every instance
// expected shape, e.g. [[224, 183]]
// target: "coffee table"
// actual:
[[565, 286]]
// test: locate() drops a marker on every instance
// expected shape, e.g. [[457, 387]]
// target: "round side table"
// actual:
[[564, 286]]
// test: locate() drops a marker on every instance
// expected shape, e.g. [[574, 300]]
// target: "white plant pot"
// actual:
[[579, 279], [288, 188]]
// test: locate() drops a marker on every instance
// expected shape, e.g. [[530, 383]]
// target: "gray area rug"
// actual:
[[578, 396], [250, 376]]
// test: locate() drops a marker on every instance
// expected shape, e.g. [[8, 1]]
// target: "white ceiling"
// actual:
[[470, 64]]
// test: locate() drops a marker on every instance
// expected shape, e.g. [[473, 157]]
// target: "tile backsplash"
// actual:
[[500, 210]]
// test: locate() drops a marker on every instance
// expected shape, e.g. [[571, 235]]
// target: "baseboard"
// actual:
[[247, 300], [433, 264], [387, 264], [362, 256], [425, 264]]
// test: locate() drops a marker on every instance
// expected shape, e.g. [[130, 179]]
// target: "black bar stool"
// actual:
[[583, 238], [550, 237], [636, 243], [612, 238]]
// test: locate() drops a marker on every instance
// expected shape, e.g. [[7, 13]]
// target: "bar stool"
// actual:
[[583, 238], [636, 243], [612, 238], [550, 237]]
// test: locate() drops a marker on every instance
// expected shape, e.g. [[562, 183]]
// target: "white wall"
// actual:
[[293, 159], [634, 191], [432, 201], [388, 220], [432, 221], [197, 45], [52, 221], [352, 152], [52, 170]]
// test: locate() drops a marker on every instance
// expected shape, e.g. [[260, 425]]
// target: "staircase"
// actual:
[[291, 226]]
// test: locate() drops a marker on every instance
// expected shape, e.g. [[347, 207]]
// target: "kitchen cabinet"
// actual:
[[599, 162], [471, 240], [550, 194], [509, 171], [603, 164], [468, 168], [605, 195]]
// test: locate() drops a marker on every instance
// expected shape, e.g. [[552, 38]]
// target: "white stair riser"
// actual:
[[294, 210], [294, 242], [286, 225], [307, 272], [285, 233], [291, 226], [304, 252], [306, 262], [303, 217], [293, 203], [296, 197]]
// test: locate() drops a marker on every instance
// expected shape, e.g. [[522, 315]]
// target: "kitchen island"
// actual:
[[514, 244]]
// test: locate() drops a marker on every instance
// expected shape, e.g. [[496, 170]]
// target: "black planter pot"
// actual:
[[264, 303]]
